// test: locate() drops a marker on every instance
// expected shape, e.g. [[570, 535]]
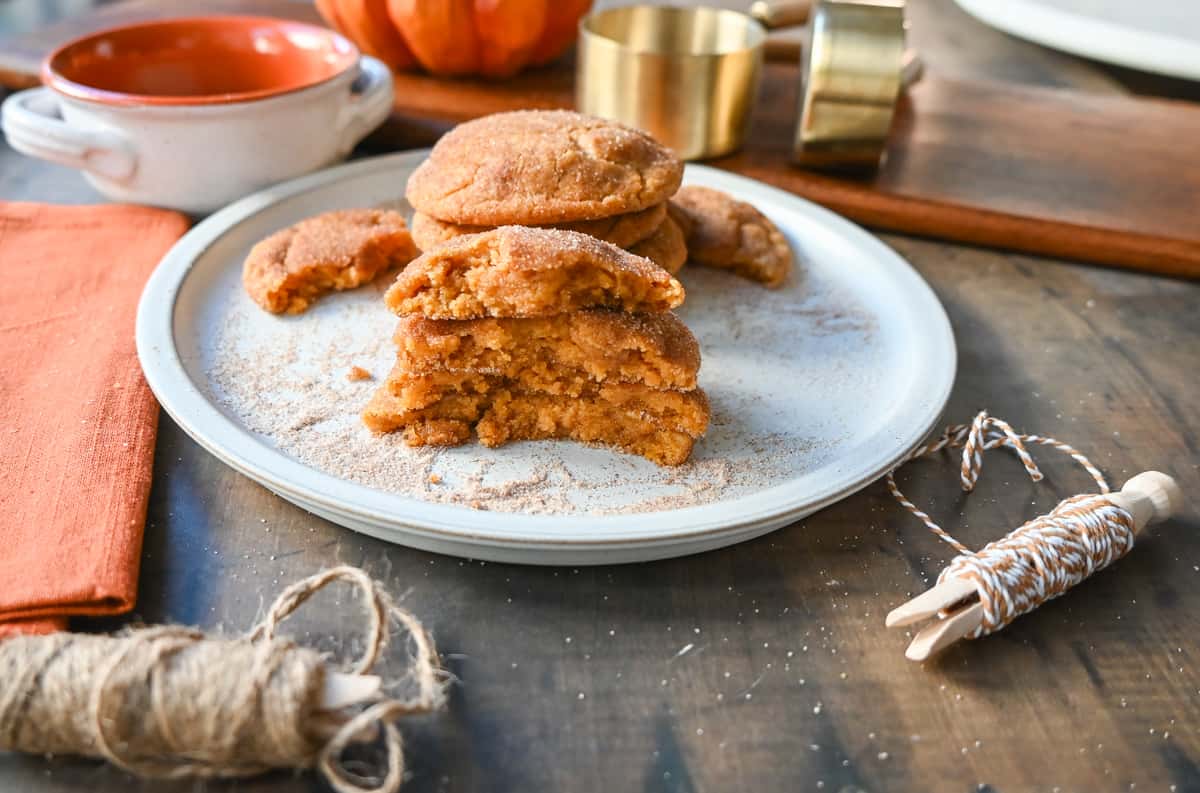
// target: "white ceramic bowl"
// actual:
[[148, 116]]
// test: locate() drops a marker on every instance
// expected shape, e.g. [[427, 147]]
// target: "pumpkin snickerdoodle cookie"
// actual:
[[337, 250], [540, 167], [517, 271], [621, 230], [727, 233]]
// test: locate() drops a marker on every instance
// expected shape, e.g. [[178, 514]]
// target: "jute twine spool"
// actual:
[[171, 702]]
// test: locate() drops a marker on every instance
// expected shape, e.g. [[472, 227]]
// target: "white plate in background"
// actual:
[[1160, 36]]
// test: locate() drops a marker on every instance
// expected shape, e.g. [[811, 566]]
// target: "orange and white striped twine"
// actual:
[[1043, 558]]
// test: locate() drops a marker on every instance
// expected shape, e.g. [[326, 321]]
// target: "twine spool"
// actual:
[[172, 702], [1041, 559]]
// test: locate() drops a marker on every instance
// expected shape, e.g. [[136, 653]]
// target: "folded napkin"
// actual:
[[77, 421]]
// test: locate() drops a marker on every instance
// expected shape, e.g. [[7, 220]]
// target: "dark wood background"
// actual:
[[571, 679]]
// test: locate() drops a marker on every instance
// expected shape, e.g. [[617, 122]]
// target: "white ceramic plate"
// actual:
[[817, 389], [1161, 36]]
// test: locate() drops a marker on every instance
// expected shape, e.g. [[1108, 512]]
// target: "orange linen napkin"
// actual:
[[77, 421]]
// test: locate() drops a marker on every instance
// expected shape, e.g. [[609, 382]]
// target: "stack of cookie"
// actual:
[[551, 169], [528, 333]]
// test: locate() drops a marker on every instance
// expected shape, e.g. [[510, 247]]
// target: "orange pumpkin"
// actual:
[[368, 24], [493, 38]]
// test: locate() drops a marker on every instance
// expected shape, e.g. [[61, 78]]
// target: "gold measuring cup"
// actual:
[[689, 75]]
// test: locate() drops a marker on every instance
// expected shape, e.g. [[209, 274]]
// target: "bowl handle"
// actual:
[[370, 102], [34, 126]]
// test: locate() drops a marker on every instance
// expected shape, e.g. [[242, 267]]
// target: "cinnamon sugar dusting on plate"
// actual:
[[786, 372]]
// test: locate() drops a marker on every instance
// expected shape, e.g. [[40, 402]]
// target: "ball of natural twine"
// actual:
[[172, 702]]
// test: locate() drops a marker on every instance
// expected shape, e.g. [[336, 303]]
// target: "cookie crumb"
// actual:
[[435, 479], [358, 374]]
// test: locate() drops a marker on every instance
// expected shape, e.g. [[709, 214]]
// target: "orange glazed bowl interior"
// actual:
[[197, 61]]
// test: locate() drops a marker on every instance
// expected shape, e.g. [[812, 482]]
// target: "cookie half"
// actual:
[[517, 271], [441, 411], [338, 250]]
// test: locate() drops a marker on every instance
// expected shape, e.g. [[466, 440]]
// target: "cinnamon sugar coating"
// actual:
[[542, 166], [336, 250], [733, 235], [620, 230], [515, 271]]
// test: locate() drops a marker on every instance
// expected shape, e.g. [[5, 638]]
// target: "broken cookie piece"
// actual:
[[516, 271], [661, 425], [337, 250], [591, 345], [731, 234]]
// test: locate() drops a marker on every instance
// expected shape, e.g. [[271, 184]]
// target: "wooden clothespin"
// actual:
[[341, 690], [954, 604]]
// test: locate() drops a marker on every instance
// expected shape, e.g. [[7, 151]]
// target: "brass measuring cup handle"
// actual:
[[775, 14]]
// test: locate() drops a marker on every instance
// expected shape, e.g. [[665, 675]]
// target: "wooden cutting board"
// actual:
[[1108, 179]]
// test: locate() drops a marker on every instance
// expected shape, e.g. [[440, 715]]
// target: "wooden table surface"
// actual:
[[577, 679]]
